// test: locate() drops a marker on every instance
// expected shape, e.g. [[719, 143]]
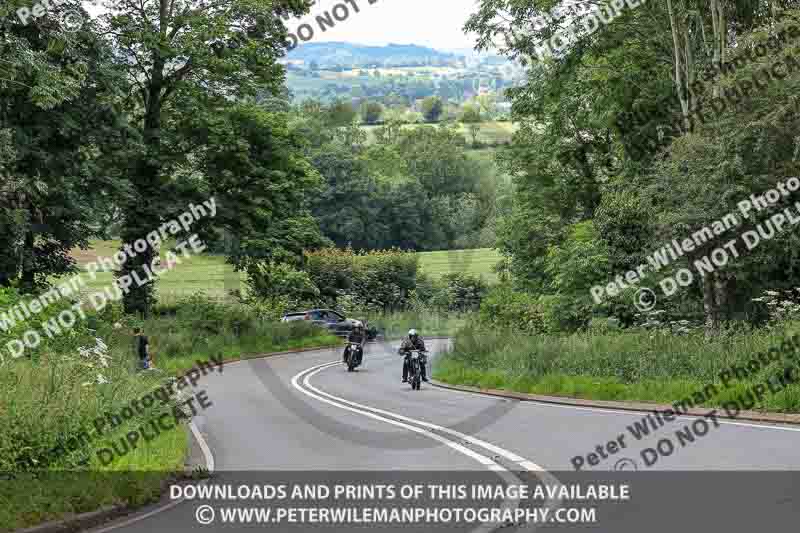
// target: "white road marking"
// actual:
[[375, 413], [319, 395], [210, 465], [472, 440], [209, 457]]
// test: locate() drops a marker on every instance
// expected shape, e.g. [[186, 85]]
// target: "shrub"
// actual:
[[380, 279], [505, 307], [278, 280], [464, 291]]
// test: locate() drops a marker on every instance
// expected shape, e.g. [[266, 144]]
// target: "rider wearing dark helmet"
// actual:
[[358, 335], [412, 342]]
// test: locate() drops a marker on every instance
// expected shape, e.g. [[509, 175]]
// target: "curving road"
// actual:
[[304, 413]]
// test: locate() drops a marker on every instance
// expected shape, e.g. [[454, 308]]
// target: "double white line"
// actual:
[[302, 382]]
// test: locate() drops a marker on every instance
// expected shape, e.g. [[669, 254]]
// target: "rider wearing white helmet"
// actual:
[[412, 342]]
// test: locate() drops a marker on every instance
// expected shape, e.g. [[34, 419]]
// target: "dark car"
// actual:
[[336, 322]]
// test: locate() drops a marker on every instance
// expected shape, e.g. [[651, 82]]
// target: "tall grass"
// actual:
[[629, 365], [199, 328], [53, 399]]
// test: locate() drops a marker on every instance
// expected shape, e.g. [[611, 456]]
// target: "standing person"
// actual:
[[142, 347]]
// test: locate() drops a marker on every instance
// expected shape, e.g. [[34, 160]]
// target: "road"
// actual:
[[304, 417]]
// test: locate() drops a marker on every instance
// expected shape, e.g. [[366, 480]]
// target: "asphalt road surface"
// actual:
[[303, 417]]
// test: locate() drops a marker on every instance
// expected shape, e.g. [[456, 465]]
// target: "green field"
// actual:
[[478, 262], [210, 273]]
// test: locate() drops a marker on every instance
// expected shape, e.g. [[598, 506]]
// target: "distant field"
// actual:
[[478, 261], [490, 132], [207, 273], [210, 273]]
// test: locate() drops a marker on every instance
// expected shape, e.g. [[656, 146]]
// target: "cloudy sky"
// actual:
[[433, 23]]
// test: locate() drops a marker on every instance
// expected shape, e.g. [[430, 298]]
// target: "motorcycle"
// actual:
[[415, 361], [354, 355]]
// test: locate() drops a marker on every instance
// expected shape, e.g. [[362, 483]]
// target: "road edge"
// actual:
[[104, 516], [749, 416]]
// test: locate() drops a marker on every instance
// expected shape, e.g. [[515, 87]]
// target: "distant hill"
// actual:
[[333, 54]]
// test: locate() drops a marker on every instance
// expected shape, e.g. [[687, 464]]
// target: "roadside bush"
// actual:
[[205, 327], [9, 298], [464, 291], [506, 308], [279, 280], [380, 279]]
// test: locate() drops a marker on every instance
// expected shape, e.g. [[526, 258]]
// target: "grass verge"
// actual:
[[53, 400], [625, 365]]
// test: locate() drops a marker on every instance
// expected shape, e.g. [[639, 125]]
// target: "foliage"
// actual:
[[214, 60], [413, 188], [61, 125], [371, 112], [378, 279], [675, 74], [505, 308], [273, 280], [643, 365], [432, 108], [341, 113], [464, 291]]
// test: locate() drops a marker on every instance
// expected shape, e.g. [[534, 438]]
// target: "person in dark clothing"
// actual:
[[142, 347], [412, 342], [358, 336]]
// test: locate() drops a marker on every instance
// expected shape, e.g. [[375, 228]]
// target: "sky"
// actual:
[[433, 23]]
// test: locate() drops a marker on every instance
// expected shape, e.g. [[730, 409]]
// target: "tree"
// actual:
[[432, 108], [341, 113], [371, 112], [184, 59], [471, 116], [59, 126], [574, 160]]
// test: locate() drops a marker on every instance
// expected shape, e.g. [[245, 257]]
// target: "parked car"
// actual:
[[336, 322]]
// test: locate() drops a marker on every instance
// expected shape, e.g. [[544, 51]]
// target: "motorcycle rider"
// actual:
[[358, 336], [412, 342]]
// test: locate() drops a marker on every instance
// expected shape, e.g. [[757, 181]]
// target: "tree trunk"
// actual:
[[710, 308], [28, 279], [679, 56], [142, 217]]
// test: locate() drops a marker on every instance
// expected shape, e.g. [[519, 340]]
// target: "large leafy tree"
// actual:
[[581, 154], [186, 59], [59, 126]]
